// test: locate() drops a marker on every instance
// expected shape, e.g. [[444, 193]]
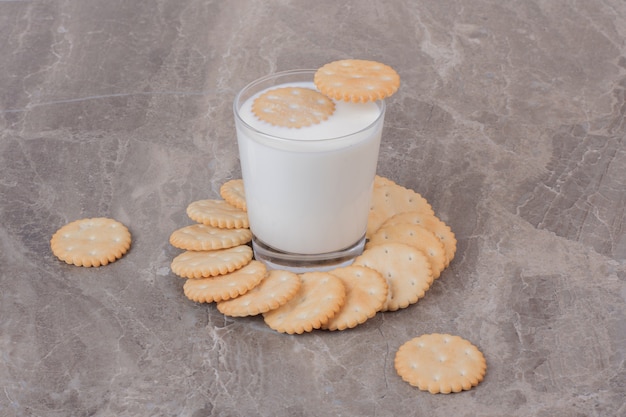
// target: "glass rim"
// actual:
[[249, 86]]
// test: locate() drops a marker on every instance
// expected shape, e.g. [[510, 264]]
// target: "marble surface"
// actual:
[[510, 120]]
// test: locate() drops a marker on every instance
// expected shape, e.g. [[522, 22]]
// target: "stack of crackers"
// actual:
[[407, 248]]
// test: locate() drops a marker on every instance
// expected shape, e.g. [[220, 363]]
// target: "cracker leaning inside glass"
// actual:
[[308, 161]]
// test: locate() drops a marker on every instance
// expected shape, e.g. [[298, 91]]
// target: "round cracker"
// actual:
[[366, 293], [204, 264], [432, 223], [91, 242], [234, 194], [217, 213], [320, 297], [277, 287], [225, 287], [389, 199], [417, 236], [406, 269], [293, 107], [440, 363], [356, 80], [198, 237]]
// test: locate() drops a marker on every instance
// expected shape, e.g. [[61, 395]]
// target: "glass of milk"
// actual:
[[307, 189]]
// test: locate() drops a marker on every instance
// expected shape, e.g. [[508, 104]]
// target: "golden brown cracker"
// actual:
[[233, 193], [198, 237], [91, 242], [293, 107], [417, 236], [276, 288], [440, 363], [320, 297], [406, 269], [204, 264], [217, 213], [432, 223], [389, 199], [357, 80], [366, 294], [225, 287]]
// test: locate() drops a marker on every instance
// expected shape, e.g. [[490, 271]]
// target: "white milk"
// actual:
[[308, 189]]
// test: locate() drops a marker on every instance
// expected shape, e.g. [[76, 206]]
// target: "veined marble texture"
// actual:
[[510, 120]]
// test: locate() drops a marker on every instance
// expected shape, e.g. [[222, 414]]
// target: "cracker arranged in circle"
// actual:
[[389, 199], [198, 237], [432, 223], [406, 269], [320, 297], [204, 264], [225, 287], [293, 107], [217, 213], [440, 363], [91, 242], [356, 80], [417, 236], [234, 194], [277, 287], [366, 293]]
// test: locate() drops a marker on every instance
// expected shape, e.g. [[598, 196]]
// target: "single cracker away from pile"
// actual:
[[432, 223], [319, 298], [217, 213], [406, 269], [389, 199], [204, 264], [366, 294], [417, 236], [225, 287], [233, 193], [440, 363], [277, 287], [91, 242], [293, 107], [198, 237], [357, 80]]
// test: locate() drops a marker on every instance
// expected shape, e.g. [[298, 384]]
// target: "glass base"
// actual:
[[298, 263]]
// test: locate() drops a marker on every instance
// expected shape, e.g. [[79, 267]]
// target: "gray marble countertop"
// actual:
[[510, 120]]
